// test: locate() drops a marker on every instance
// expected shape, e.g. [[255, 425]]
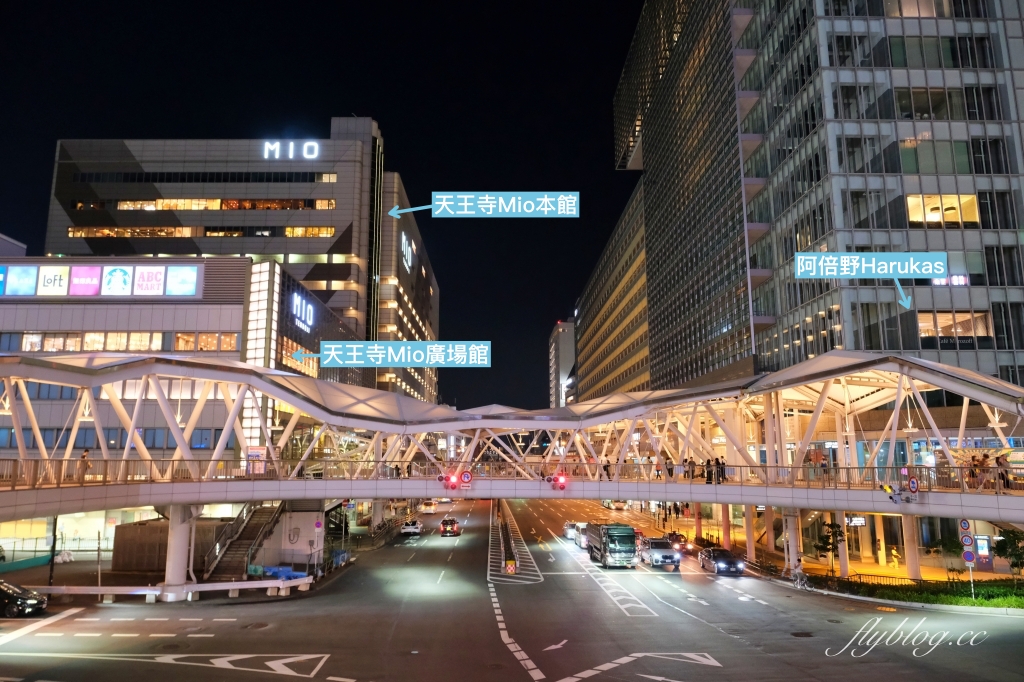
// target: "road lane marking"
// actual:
[[190, 619], [126, 634], [410, 557], [200, 635], [32, 627], [439, 578], [450, 557], [622, 597], [225, 619], [86, 618], [156, 619], [49, 634], [122, 619], [87, 634], [162, 634]]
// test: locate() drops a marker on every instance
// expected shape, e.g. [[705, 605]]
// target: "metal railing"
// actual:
[[20, 474], [225, 536]]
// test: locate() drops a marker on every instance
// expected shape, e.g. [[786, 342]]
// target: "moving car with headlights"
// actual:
[[428, 507], [449, 528], [720, 560], [16, 601], [658, 552], [569, 530], [612, 544], [679, 542], [581, 535], [413, 527], [619, 505]]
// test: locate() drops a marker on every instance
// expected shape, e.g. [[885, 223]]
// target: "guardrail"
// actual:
[[18, 474]]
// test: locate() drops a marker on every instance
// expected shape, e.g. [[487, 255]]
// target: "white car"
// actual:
[[412, 528], [429, 507], [569, 530]]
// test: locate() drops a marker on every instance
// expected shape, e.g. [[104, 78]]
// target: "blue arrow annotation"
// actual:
[[401, 354], [396, 212], [911, 265]]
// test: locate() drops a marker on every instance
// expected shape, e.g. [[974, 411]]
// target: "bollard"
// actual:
[[271, 591], [150, 598], [304, 587], [284, 591], [232, 594], [108, 599]]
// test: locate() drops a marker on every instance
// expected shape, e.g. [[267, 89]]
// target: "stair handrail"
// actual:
[[226, 535], [262, 535]]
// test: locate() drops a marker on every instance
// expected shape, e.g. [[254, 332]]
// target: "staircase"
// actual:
[[232, 564]]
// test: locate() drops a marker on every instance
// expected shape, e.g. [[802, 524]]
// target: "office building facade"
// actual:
[[611, 321], [768, 128], [561, 357], [314, 206]]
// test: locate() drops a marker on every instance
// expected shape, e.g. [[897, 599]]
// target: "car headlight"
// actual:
[[721, 564], [32, 601], [740, 565], [677, 556]]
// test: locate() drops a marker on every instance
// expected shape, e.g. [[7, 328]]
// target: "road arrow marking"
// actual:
[[653, 677], [905, 300], [557, 646], [278, 665], [551, 557], [396, 212]]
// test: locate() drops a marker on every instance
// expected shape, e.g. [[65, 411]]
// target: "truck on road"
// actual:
[[612, 544]]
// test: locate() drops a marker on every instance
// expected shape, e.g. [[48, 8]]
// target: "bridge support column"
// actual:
[[748, 531], [880, 540], [844, 547], [769, 527], [791, 528], [910, 542], [726, 527], [376, 512], [697, 530], [178, 535]]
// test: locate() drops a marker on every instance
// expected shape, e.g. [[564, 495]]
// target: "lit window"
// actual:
[[93, 341], [229, 341], [325, 204], [207, 342], [73, 342], [138, 341], [117, 340], [184, 341]]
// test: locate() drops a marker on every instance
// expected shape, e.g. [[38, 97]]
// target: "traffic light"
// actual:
[[557, 481], [453, 481], [891, 492]]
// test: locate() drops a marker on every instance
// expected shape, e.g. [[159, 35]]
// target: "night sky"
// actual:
[[469, 96]]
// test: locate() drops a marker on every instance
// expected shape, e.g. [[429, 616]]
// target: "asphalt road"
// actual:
[[423, 609]]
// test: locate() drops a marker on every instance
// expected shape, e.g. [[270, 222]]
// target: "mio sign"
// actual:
[[273, 150]]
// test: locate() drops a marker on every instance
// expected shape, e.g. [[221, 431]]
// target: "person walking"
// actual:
[[984, 471], [606, 465], [83, 466], [895, 559], [721, 471], [709, 472], [670, 467], [1003, 474], [675, 509], [657, 470], [717, 471]]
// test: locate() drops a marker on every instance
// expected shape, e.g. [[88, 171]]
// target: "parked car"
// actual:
[[16, 601], [581, 535], [659, 552], [720, 560], [569, 530], [413, 527], [428, 507], [449, 527]]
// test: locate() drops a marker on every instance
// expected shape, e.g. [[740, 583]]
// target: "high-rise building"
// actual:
[[315, 206], [764, 128], [561, 356], [611, 314]]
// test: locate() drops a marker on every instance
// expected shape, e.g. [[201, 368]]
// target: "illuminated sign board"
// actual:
[[53, 280], [302, 313], [273, 150], [87, 281], [21, 280], [856, 521], [408, 249]]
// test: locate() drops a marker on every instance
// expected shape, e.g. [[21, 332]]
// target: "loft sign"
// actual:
[[302, 313], [273, 150]]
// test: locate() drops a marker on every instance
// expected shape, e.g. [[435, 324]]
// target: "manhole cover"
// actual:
[[256, 626], [802, 634], [833, 620], [172, 647]]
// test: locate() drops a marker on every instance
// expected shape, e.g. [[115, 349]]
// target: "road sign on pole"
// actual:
[[466, 476], [912, 485], [968, 556], [965, 526], [967, 540]]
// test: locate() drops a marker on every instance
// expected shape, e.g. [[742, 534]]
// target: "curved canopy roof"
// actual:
[[865, 380]]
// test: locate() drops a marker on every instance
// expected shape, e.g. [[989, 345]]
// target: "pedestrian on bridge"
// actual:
[[709, 472], [83, 466], [691, 468], [606, 466], [984, 471]]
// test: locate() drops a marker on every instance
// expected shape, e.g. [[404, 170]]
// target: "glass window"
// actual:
[[156, 341], [921, 108], [908, 156], [73, 342], [117, 340], [229, 341], [207, 341], [950, 210], [932, 210], [945, 324], [201, 439], [904, 105], [926, 156], [53, 343], [915, 58], [138, 341], [944, 157], [962, 157], [184, 341], [969, 211], [957, 106], [950, 55], [93, 341], [940, 111], [898, 51], [32, 343], [932, 56], [915, 210]]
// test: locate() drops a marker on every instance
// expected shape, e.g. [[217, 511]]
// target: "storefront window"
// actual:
[[207, 342], [184, 341], [229, 341], [93, 341], [32, 343], [956, 330], [117, 340]]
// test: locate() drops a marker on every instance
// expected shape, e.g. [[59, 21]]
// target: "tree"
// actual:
[[1011, 547], [828, 543], [949, 546]]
